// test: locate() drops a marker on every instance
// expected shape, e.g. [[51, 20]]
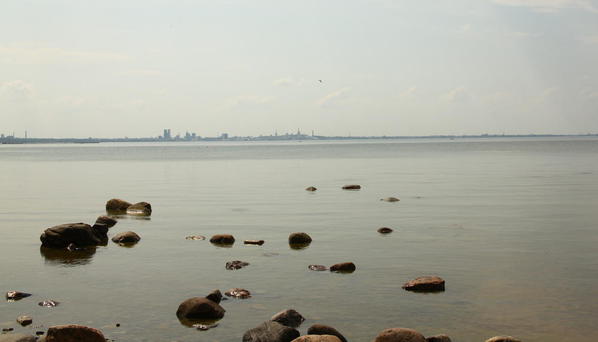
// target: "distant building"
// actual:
[[224, 136], [167, 134]]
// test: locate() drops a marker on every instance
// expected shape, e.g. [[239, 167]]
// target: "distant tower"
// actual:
[[25, 134], [167, 135]]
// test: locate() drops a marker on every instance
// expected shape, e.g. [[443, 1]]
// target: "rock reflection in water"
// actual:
[[67, 258]]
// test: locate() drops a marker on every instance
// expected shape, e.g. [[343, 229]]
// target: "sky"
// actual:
[[114, 68]]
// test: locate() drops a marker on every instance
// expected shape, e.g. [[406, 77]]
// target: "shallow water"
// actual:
[[511, 225]]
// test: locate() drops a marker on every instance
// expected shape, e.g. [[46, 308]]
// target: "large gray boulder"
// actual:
[[80, 234], [399, 335], [270, 332]]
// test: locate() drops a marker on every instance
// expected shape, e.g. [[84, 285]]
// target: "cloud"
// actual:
[[333, 97], [39, 54], [16, 90], [550, 6], [457, 95]]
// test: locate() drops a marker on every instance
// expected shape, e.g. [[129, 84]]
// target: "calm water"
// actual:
[[512, 226]]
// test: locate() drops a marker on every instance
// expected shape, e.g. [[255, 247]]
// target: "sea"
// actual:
[[511, 225]]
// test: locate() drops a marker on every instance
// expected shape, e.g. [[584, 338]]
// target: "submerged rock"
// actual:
[[16, 295], [48, 303], [503, 339], [195, 237], [235, 264], [204, 327], [317, 338], [116, 205], [299, 239], [343, 267], [438, 338], [399, 335], [222, 239], [321, 329], [126, 238], [289, 317], [199, 308], [317, 267], [80, 234], [238, 293], [385, 230], [73, 333], [425, 284], [390, 199], [351, 187], [17, 338], [270, 332], [24, 320], [311, 188], [141, 208], [254, 242]]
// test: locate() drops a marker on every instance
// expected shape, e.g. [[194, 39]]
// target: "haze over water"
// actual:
[[511, 225]]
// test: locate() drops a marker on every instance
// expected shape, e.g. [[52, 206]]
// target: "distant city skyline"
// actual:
[[248, 68]]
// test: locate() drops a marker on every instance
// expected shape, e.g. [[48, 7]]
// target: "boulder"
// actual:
[[317, 338], [109, 221], [343, 267], [16, 295], [116, 205], [299, 239], [399, 335], [503, 339], [235, 265], [63, 235], [321, 329], [141, 208], [238, 293], [17, 338], [289, 317], [390, 199], [270, 332], [73, 333], [222, 239], [311, 188], [215, 296], [200, 308], [24, 320], [385, 230], [438, 338], [351, 187], [126, 238], [425, 284]]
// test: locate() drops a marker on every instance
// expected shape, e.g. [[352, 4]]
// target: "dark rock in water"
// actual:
[[502, 339], [141, 208], [385, 230], [39, 332], [195, 237], [17, 338], [438, 338], [100, 230], [199, 308], [16, 295], [126, 238], [254, 242], [311, 188], [80, 234], [352, 187], [109, 221], [317, 338], [299, 239], [24, 320], [343, 267], [289, 317], [116, 205], [204, 327], [7, 329], [270, 332], [317, 267], [425, 284], [48, 303], [238, 293], [390, 199], [73, 333], [320, 329], [215, 296], [222, 239], [235, 264], [399, 335]]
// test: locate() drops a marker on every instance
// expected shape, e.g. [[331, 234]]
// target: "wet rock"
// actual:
[[24, 320], [235, 264], [215, 296], [270, 332], [317, 338], [140, 208], [195, 237], [311, 188], [503, 339], [126, 238], [254, 242], [39, 332], [399, 335], [17, 338], [100, 230], [299, 239], [390, 199], [7, 329], [438, 338], [73, 333], [108, 221], [343, 267], [317, 267], [204, 327], [289, 317], [116, 205], [48, 303], [238, 293], [16, 295], [222, 239], [385, 230], [321, 329], [80, 234], [199, 308], [351, 187], [425, 284]]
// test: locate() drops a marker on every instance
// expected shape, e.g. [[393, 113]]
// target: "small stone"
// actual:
[[16, 295], [235, 264], [24, 320], [352, 187], [48, 303], [222, 239], [289, 318], [317, 267], [74, 333], [311, 188], [195, 237], [204, 327], [126, 238], [299, 239], [385, 230], [254, 242], [343, 267], [390, 199], [238, 293], [503, 339], [7, 329], [425, 284], [399, 335], [117, 325], [199, 308]]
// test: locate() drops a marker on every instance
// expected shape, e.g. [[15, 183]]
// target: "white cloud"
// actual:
[[457, 95], [550, 6], [333, 97], [40, 54]]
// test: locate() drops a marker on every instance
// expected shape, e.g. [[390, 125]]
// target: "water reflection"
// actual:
[[299, 246], [124, 216], [65, 257], [194, 323]]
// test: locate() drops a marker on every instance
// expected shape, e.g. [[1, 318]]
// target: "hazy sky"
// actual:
[[113, 68]]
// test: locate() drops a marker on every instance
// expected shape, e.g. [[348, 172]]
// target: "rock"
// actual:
[[311, 188], [116, 205], [7, 329], [73, 333], [352, 187], [235, 264], [503, 339], [48, 303], [270, 332], [399, 335], [320, 329], [238, 293], [199, 308], [425, 284], [17, 338], [80, 234], [222, 239], [385, 230], [24, 320], [195, 237], [317, 267], [254, 242], [126, 238], [343, 267], [299, 239], [204, 327], [438, 338], [215, 296], [289, 317], [390, 199], [109, 221], [16, 295], [317, 338], [141, 208]]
